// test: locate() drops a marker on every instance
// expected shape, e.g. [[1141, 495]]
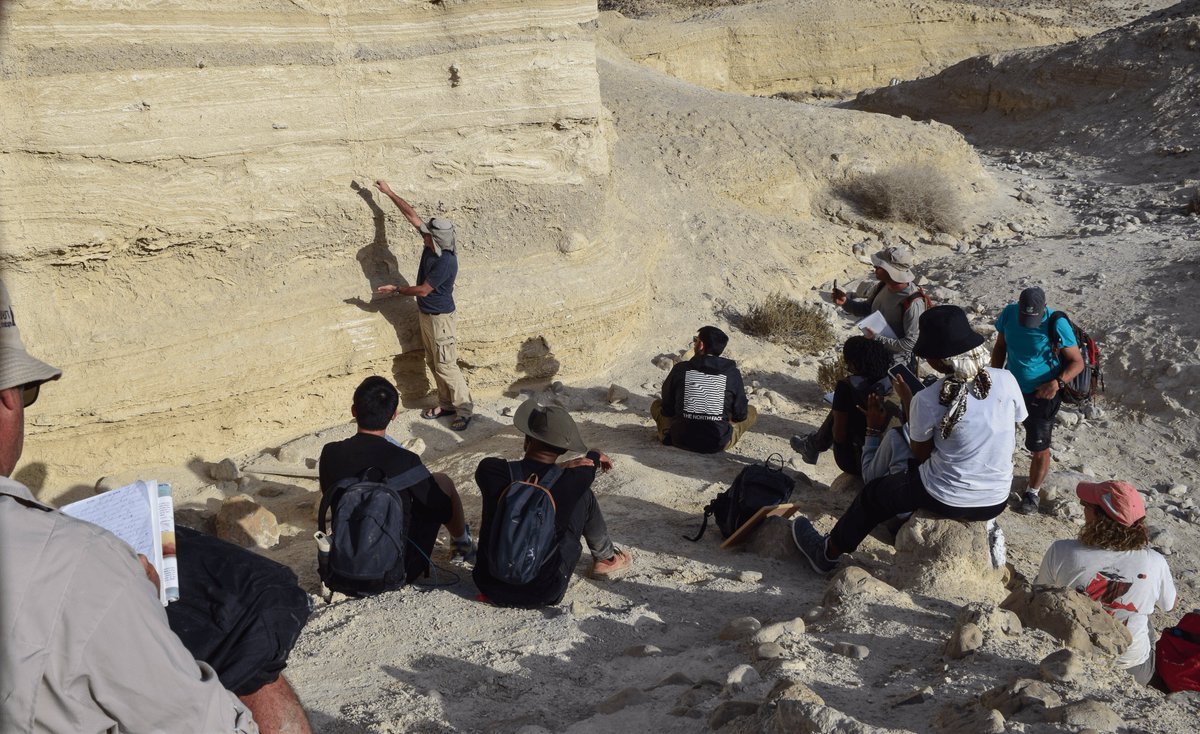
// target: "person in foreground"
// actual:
[[845, 427], [1111, 562], [962, 433], [435, 501], [438, 320], [549, 433], [1025, 346], [703, 406], [87, 645]]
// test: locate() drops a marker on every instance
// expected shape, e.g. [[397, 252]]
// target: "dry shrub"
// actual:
[[829, 373], [921, 195], [644, 8], [784, 321]]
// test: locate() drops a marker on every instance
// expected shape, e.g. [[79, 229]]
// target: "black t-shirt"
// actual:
[[430, 506], [572, 494], [851, 394]]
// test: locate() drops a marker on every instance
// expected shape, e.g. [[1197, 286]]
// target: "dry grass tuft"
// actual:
[[784, 321], [644, 8], [921, 195], [829, 373]]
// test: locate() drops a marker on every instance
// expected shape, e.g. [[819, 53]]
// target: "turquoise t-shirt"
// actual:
[[1030, 358]]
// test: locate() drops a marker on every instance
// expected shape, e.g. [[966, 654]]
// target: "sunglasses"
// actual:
[[29, 393]]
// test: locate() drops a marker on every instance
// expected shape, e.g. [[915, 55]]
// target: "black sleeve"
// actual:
[[670, 389], [325, 475], [739, 403], [844, 398]]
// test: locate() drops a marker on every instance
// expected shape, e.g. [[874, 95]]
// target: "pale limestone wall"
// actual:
[[819, 47], [179, 225]]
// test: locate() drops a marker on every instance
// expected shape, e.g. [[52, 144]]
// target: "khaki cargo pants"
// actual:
[[438, 335]]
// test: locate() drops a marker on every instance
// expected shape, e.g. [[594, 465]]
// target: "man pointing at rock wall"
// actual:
[[435, 300]]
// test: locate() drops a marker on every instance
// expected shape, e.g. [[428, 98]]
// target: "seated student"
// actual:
[[845, 426], [549, 433], [87, 646], [703, 406], [885, 450], [435, 502], [962, 430], [1112, 562]]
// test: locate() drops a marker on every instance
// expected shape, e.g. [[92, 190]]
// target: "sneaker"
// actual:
[[621, 562], [803, 445], [996, 545], [811, 544], [464, 550], [1029, 503]]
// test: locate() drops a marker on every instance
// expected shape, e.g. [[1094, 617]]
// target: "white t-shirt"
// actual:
[[1128, 584], [974, 466]]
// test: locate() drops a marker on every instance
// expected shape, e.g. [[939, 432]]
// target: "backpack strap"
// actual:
[[1052, 328], [908, 300], [409, 478]]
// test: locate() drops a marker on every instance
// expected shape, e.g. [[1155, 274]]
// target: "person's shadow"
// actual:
[[537, 365], [380, 267]]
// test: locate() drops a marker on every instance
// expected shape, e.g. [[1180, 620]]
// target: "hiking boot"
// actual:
[[811, 544], [1029, 503], [803, 445], [464, 550], [616, 566]]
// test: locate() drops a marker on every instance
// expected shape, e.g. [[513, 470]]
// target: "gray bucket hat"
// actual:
[[549, 424], [442, 232], [897, 261], [17, 368]]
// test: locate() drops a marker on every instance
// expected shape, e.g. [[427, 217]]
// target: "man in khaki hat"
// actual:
[[549, 433], [87, 646], [896, 297]]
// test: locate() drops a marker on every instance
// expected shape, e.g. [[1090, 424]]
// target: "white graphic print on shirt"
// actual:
[[703, 396]]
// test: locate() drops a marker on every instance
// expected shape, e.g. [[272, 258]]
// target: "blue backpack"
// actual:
[[369, 531], [524, 537]]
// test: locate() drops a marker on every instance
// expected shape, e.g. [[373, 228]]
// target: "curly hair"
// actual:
[[866, 357], [1104, 532]]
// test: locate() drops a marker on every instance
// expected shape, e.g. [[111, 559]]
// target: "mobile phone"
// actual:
[[910, 378]]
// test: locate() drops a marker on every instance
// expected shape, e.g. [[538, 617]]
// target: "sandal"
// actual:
[[431, 413], [460, 423]]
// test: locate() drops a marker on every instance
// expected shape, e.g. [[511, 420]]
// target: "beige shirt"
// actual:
[[84, 642]]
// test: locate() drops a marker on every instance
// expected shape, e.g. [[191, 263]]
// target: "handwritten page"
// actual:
[[132, 514], [876, 323]]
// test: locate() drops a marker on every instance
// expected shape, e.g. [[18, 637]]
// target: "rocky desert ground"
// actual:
[[186, 214]]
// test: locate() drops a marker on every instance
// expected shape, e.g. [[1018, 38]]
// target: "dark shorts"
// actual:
[[1040, 424], [237, 611]]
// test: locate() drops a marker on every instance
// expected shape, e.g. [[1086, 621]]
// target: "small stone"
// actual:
[[1061, 666], [664, 361], [279, 126], [623, 698], [789, 690], [617, 394], [506, 411], [642, 651], [674, 679], [916, 697], [271, 490], [772, 632], [769, 651], [750, 577], [730, 710], [854, 652], [243, 521], [1087, 713], [1016, 227], [1068, 418], [741, 677], [289, 455], [941, 239], [965, 640], [1177, 490], [224, 471], [1018, 695], [740, 628]]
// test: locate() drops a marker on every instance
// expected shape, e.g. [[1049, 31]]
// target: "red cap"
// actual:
[[1119, 500]]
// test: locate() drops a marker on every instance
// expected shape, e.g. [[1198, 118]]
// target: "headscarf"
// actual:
[[970, 376]]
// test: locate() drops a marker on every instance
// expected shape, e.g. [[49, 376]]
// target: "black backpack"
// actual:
[[523, 535], [1082, 388], [369, 532], [757, 486]]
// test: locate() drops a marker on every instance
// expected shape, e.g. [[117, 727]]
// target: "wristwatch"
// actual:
[[1061, 385]]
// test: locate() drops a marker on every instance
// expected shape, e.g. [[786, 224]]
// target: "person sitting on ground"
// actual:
[[962, 430], [87, 644], [703, 406], [549, 433], [897, 298], [1112, 562], [435, 501], [845, 426], [1023, 345]]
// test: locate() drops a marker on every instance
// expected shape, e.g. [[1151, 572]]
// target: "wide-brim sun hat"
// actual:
[[897, 261], [1120, 500], [945, 332], [549, 424], [17, 368]]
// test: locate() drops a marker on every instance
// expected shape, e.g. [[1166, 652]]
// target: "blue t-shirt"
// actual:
[[439, 272], [1030, 358]]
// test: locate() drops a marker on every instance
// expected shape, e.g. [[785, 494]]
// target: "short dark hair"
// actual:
[[713, 339], [375, 402], [869, 357]]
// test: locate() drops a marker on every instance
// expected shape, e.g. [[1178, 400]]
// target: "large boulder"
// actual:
[[1075, 619], [949, 559]]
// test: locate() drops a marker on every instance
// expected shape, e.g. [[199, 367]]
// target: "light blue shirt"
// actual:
[[1030, 357]]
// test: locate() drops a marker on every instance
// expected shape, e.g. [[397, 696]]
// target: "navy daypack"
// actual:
[[369, 532], [523, 535]]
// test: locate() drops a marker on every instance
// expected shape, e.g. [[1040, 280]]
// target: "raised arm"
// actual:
[[405, 208]]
